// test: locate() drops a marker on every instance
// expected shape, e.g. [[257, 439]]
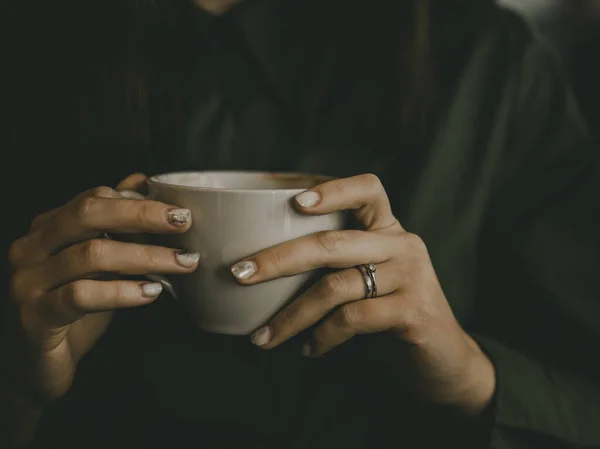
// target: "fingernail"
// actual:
[[309, 198], [244, 270], [306, 350], [131, 194], [152, 290], [187, 259], [262, 336], [179, 217]]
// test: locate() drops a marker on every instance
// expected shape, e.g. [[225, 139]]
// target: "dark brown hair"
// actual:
[[352, 48]]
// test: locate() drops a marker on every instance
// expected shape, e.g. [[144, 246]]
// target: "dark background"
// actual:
[[48, 49], [572, 27]]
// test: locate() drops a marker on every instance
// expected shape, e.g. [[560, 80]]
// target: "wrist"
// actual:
[[480, 382]]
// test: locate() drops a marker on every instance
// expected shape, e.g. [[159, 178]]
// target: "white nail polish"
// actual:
[[244, 270], [308, 198], [187, 259], [152, 290], [179, 217], [131, 194], [262, 336]]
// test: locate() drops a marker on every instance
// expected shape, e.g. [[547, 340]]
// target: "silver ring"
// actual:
[[372, 268], [368, 272]]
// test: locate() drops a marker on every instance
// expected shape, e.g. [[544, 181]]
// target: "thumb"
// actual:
[[136, 181]]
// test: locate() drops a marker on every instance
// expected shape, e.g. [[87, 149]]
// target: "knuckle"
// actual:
[[121, 291], [16, 251], [397, 243], [144, 211], [334, 284], [329, 240], [415, 243], [78, 295], [339, 186], [349, 316], [286, 318], [85, 207], [153, 256], [372, 181], [274, 258], [94, 251]]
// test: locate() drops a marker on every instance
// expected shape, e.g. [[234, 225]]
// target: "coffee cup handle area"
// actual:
[[167, 286]]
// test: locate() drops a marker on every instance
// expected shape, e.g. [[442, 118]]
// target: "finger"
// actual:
[[109, 256], [332, 291], [76, 299], [330, 249], [30, 248], [131, 195], [135, 181], [44, 217], [363, 194], [355, 318], [91, 215]]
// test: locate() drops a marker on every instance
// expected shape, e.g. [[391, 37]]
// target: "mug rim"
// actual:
[[154, 179]]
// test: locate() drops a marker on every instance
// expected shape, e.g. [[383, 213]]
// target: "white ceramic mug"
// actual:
[[234, 215]]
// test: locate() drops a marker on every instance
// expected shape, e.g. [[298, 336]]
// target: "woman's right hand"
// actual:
[[63, 305]]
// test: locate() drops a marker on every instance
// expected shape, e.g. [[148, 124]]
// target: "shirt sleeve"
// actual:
[[541, 325]]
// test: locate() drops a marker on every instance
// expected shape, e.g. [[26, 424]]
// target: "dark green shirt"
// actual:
[[504, 190]]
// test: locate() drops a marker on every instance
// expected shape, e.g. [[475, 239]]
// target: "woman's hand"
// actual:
[[445, 365], [63, 304]]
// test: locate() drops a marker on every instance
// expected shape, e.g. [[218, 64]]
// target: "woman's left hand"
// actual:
[[446, 365]]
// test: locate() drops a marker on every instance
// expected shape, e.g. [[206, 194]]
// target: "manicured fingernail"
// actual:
[[131, 195], [179, 217], [244, 270], [308, 198], [306, 350], [152, 290], [262, 336], [187, 259]]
